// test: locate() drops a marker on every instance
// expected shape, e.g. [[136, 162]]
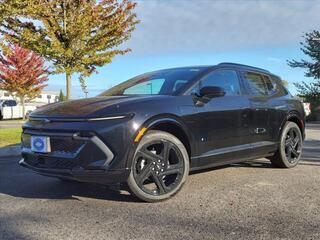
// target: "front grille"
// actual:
[[60, 145], [65, 145]]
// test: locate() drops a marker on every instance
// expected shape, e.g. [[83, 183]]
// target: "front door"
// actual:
[[223, 122]]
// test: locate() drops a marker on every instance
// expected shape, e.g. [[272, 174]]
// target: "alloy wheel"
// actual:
[[158, 167], [293, 144]]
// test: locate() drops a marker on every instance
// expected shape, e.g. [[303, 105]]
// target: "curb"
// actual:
[[10, 151]]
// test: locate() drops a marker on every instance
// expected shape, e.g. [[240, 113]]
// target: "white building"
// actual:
[[44, 98]]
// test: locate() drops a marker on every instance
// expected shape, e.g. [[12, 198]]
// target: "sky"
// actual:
[[175, 33]]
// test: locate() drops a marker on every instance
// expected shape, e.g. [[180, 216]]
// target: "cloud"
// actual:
[[184, 26]]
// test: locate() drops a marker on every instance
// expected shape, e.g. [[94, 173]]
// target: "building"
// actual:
[[44, 98]]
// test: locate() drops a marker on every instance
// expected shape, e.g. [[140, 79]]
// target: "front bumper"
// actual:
[[82, 175], [76, 156]]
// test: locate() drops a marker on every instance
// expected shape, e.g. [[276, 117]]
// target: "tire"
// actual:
[[162, 161], [290, 146]]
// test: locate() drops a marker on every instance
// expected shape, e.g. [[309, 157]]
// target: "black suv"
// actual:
[[152, 130]]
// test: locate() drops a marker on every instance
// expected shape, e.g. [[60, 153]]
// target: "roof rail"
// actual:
[[243, 65]]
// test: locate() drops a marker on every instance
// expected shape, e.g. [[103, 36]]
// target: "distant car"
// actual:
[[11, 109], [307, 108], [152, 130]]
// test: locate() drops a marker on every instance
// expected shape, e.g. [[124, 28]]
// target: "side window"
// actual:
[[256, 84], [226, 79], [6, 103], [271, 84], [280, 87], [13, 103]]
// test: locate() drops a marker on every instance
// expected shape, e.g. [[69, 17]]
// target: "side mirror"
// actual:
[[206, 94], [212, 92]]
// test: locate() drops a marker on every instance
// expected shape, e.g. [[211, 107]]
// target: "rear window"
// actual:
[[256, 84]]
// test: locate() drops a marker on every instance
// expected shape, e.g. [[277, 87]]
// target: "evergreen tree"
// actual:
[[310, 92], [61, 96]]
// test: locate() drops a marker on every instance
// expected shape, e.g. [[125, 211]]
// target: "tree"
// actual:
[[75, 35], [61, 96], [285, 83], [310, 92], [310, 47], [22, 73]]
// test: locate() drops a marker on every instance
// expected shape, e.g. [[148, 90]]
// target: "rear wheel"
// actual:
[[290, 147], [159, 168]]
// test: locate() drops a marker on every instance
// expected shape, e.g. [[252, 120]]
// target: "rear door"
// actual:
[[260, 114]]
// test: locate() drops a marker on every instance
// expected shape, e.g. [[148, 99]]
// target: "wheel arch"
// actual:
[[295, 117], [168, 123], [175, 128]]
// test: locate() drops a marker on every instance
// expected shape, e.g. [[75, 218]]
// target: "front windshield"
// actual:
[[163, 82]]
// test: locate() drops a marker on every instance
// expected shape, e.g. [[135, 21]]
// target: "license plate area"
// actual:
[[40, 144]]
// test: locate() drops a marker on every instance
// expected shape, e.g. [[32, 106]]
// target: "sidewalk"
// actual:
[[11, 123], [10, 151]]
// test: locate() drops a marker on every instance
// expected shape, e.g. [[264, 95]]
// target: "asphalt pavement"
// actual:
[[250, 200]]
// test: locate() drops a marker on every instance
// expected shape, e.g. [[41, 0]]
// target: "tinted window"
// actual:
[[226, 79], [272, 86], [256, 84], [280, 87], [10, 103], [13, 103], [148, 87], [164, 82]]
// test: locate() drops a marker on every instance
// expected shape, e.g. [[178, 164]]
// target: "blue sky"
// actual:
[[203, 32]]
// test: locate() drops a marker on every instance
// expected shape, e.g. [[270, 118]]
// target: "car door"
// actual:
[[278, 106], [260, 114], [223, 129]]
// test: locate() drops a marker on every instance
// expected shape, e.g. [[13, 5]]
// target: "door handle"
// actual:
[[280, 106], [260, 130]]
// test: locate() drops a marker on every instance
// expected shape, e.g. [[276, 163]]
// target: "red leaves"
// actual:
[[22, 72]]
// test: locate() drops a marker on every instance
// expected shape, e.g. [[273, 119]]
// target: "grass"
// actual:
[[10, 136]]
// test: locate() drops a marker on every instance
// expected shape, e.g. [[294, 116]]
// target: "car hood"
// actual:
[[86, 108]]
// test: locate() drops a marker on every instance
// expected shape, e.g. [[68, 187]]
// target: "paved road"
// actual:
[[243, 201]]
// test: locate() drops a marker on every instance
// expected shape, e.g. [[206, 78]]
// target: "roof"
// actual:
[[226, 64], [243, 66]]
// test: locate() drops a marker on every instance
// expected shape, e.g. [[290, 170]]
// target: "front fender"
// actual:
[[151, 123]]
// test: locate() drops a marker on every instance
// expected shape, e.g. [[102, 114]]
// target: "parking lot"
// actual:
[[250, 200]]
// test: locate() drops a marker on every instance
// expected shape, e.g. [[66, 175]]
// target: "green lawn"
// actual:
[[9, 136]]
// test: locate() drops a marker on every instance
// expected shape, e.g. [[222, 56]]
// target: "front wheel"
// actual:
[[159, 168], [289, 152]]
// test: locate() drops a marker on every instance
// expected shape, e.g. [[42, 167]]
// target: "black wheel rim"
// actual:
[[158, 167], [293, 145]]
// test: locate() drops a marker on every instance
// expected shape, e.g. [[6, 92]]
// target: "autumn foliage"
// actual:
[[22, 72], [76, 36]]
